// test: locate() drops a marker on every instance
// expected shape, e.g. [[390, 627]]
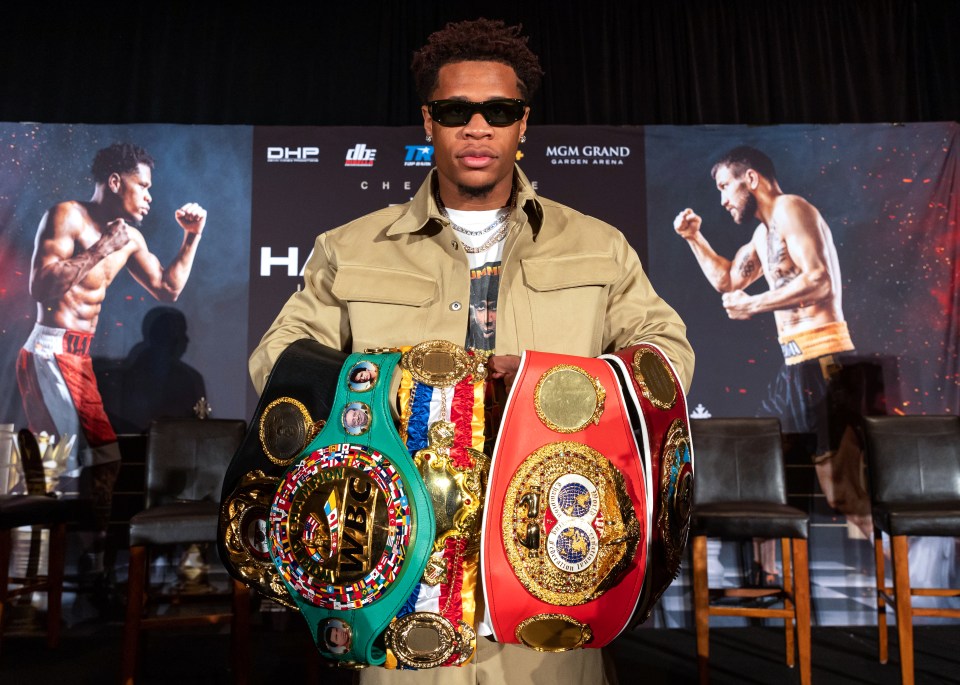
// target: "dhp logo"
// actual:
[[292, 154]]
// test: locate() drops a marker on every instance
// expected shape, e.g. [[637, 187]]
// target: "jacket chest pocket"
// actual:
[[386, 307], [568, 301]]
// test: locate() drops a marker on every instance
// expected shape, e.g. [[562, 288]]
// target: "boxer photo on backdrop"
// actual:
[[80, 248], [793, 249]]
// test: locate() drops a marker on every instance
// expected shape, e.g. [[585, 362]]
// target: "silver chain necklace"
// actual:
[[500, 225], [501, 218], [491, 241]]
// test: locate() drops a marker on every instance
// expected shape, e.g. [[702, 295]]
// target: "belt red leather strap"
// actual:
[[564, 552]]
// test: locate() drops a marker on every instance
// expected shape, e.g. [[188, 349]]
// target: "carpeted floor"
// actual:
[[90, 653]]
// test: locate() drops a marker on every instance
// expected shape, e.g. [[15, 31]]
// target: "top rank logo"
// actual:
[[360, 155], [419, 155], [293, 154]]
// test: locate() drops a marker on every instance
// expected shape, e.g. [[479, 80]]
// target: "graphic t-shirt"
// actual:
[[484, 272]]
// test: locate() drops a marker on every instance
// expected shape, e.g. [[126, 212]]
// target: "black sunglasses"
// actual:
[[497, 112]]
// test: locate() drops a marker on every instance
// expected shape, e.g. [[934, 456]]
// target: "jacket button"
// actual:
[[455, 306], [454, 244]]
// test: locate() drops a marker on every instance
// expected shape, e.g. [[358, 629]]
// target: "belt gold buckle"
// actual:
[[425, 639], [442, 364]]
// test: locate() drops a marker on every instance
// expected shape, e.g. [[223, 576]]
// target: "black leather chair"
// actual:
[[40, 510], [741, 494], [186, 461], [914, 467]]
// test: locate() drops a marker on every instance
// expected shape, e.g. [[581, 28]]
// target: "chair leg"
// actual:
[[136, 589], [801, 596], [56, 559], [788, 602], [701, 607], [901, 591], [240, 634], [881, 601], [5, 550]]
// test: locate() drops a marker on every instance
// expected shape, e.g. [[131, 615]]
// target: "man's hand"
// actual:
[[113, 237], [192, 217], [687, 224], [738, 304], [504, 366]]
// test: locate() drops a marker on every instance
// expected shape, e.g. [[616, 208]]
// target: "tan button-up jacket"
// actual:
[[569, 284]]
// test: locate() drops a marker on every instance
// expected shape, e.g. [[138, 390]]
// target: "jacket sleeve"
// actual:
[[636, 314], [312, 312]]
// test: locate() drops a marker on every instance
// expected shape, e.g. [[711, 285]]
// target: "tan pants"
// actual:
[[497, 663]]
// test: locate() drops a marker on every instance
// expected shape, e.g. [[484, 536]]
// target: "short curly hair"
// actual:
[[481, 40], [119, 158], [744, 157]]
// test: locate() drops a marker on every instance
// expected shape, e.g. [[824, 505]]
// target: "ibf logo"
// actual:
[[293, 154], [360, 155], [419, 155]]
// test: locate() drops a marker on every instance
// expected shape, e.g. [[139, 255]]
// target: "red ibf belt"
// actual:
[[658, 411], [567, 521]]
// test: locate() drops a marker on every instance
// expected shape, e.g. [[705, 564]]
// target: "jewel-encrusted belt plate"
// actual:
[[658, 411], [292, 408], [351, 523], [564, 549]]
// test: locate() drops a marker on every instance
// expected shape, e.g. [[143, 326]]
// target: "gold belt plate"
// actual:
[[654, 378], [245, 520], [285, 429], [553, 633], [424, 639], [676, 493], [569, 528], [568, 399], [442, 364], [457, 493]]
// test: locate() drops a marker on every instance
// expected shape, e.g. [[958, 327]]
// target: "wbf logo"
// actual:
[[419, 155], [293, 154], [360, 155]]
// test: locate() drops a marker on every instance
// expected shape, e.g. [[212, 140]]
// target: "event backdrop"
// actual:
[[890, 194]]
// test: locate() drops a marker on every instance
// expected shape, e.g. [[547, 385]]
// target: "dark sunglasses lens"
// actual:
[[496, 112], [451, 113], [502, 113]]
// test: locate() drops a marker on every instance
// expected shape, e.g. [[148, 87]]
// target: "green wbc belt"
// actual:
[[352, 524]]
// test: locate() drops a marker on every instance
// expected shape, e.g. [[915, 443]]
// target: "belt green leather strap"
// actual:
[[352, 524]]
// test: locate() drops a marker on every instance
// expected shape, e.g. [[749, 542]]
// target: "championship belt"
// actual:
[[567, 520], [291, 410], [351, 523], [658, 410], [442, 421]]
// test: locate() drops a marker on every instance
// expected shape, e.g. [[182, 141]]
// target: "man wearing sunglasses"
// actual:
[[477, 233]]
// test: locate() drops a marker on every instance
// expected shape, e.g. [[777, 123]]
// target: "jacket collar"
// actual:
[[423, 208]]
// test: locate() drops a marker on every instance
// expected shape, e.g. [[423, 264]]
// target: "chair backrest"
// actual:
[[913, 457], [32, 462], [738, 460], [187, 458]]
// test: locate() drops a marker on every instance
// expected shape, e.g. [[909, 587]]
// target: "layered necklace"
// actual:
[[497, 230]]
